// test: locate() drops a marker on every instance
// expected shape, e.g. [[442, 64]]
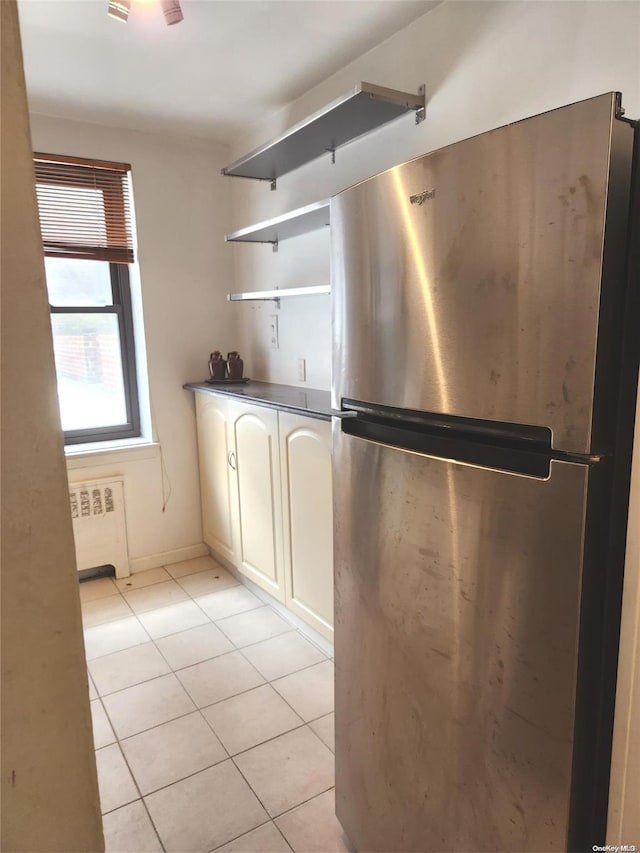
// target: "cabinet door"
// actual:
[[255, 436], [305, 452], [215, 473]]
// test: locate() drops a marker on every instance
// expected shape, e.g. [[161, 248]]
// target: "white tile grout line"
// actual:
[[194, 598], [118, 742], [213, 657], [135, 782], [200, 710], [228, 756], [203, 708], [255, 828], [218, 701], [214, 621], [107, 621], [274, 819], [176, 670]]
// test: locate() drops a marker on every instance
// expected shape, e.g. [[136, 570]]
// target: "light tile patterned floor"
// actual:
[[212, 715]]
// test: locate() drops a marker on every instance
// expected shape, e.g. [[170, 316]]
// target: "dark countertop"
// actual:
[[288, 398]]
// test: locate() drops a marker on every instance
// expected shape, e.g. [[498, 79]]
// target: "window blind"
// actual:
[[85, 208]]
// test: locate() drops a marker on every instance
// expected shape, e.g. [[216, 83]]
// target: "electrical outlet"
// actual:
[[302, 370], [274, 340]]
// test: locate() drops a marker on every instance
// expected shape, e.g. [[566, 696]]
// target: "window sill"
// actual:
[[108, 452]]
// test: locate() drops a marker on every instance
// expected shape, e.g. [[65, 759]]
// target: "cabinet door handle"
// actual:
[[232, 460]]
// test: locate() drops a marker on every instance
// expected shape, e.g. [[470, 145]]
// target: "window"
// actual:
[[85, 220]]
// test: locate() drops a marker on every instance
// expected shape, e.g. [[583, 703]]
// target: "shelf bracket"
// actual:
[[333, 154], [272, 243], [421, 113], [273, 185]]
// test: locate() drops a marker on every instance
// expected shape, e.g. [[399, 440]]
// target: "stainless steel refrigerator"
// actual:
[[485, 364]]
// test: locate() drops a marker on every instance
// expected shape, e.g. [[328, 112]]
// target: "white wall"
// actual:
[[182, 209], [48, 778], [484, 64]]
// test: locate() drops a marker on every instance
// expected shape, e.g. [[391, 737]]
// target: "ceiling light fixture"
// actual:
[[119, 9], [172, 12]]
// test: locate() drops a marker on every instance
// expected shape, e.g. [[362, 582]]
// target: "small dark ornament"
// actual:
[[217, 365], [235, 365]]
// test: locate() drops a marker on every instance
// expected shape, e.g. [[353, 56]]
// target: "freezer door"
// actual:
[[457, 609], [468, 282]]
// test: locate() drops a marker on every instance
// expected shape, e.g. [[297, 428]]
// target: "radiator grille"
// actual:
[[99, 525]]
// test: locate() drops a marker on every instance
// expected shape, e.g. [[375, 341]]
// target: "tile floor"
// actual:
[[212, 716]]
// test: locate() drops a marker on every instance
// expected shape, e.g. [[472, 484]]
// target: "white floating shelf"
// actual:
[[292, 224], [264, 295]]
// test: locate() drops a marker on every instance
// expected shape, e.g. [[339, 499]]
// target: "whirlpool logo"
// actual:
[[420, 198]]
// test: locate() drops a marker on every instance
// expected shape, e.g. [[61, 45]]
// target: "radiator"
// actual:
[[99, 525]]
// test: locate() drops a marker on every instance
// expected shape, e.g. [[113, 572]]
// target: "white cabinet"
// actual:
[[258, 500], [216, 475], [305, 465], [267, 501]]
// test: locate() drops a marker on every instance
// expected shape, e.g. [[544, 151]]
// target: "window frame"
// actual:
[[113, 179], [121, 306]]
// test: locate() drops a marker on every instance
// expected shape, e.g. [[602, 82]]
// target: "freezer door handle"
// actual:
[[445, 444], [336, 413]]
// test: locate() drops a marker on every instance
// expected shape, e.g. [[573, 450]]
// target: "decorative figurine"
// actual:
[[235, 365], [217, 365]]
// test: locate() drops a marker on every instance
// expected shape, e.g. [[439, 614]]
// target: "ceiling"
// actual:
[[229, 64]]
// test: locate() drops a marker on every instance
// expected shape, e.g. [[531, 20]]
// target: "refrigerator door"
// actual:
[[468, 282], [457, 610]]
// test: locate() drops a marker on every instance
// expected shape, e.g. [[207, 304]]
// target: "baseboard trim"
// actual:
[[153, 561], [312, 635]]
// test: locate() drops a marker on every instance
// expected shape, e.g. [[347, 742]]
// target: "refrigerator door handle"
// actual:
[[340, 415], [512, 458]]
